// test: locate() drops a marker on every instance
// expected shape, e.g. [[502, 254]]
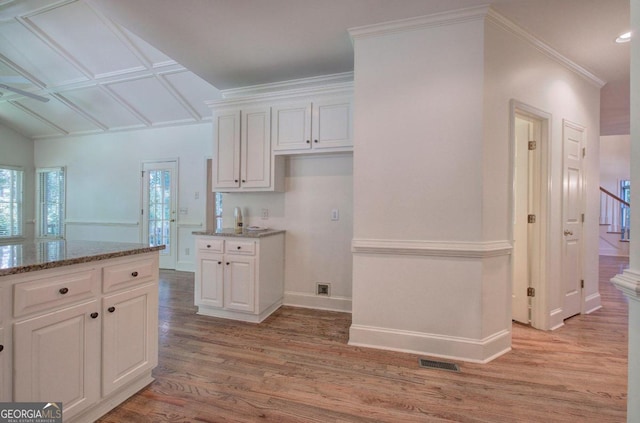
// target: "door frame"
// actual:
[[540, 256], [174, 233]]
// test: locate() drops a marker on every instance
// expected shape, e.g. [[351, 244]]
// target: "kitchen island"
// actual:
[[78, 323]]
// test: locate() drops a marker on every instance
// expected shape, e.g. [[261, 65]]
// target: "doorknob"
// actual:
[[172, 220], [567, 232]]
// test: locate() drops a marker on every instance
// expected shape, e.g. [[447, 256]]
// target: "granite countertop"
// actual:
[[29, 256], [244, 234]]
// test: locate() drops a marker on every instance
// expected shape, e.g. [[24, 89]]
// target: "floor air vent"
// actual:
[[440, 365]]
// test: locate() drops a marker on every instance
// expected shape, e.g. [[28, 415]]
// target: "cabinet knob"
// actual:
[[208, 246], [94, 315], [308, 142], [63, 290], [134, 274], [219, 262], [1, 348], [316, 141], [236, 180], [111, 309], [227, 263], [239, 247], [243, 181]]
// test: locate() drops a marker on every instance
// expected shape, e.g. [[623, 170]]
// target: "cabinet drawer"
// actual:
[[215, 245], [54, 291], [247, 248], [127, 274]]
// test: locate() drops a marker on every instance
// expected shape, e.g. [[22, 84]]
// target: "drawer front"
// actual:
[[124, 275], [52, 292], [210, 244], [246, 248]]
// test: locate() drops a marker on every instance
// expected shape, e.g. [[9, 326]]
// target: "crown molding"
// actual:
[[509, 26], [419, 22], [431, 248], [291, 85]]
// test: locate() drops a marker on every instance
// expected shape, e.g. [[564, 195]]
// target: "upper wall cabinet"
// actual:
[[324, 124], [242, 150]]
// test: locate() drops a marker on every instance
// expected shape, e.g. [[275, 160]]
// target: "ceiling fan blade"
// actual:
[[24, 93]]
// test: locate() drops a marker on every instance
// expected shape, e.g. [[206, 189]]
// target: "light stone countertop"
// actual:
[[29, 256], [230, 232]]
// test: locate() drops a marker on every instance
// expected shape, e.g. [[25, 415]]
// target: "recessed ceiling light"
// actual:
[[624, 38]]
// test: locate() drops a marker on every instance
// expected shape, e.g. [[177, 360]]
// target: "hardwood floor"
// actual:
[[297, 367]]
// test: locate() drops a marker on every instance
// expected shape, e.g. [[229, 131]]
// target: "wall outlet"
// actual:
[[323, 289], [335, 214], [264, 214], [187, 251]]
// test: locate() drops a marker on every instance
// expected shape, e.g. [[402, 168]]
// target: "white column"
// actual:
[[629, 281]]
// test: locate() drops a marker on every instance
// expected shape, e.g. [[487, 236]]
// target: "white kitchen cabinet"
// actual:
[[242, 151], [239, 278], [85, 334], [5, 369], [57, 358], [319, 125], [129, 336]]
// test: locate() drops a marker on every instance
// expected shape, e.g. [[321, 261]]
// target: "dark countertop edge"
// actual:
[[244, 234], [77, 260]]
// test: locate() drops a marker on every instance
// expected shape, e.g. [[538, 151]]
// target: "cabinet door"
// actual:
[[255, 166], [4, 368], [291, 126], [332, 123], [130, 336], [226, 149], [209, 275], [57, 358], [239, 283]]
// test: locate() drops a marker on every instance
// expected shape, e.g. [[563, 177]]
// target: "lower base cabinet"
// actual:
[[89, 345], [240, 278]]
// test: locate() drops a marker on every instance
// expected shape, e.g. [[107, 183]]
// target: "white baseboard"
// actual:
[[592, 303], [320, 302], [448, 347], [186, 266]]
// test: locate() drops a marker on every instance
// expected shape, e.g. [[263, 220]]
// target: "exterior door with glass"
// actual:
[[159, 204]]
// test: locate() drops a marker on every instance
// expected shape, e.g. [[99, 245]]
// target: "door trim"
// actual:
[[540, 318]]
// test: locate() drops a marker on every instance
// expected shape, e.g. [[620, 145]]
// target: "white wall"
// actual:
[[615, 161], [432, 175], [17, 150], [104, 181], [425, 277], [317, 248], [517, 70]]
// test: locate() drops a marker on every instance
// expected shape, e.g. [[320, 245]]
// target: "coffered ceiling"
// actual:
[[102, 77], [97, 75]]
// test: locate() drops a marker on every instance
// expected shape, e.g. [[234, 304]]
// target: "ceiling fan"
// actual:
[[18, 80]]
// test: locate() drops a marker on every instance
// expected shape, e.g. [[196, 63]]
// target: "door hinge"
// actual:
[[142, 174], [531, 292], [584, 151], [142, 211], [532, 145], [581, 283], [531, 218], [582, 217]]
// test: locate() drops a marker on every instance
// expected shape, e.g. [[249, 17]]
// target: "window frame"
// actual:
[[20, 234], [62, 206]]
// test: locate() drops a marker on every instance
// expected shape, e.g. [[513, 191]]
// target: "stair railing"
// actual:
[[615, 212]]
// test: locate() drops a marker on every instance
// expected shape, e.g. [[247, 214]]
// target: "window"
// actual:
[[218, 210], [50, 191], [10, 202]]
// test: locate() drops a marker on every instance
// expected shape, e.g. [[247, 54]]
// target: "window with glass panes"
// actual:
[[50, 189], [11, 202]]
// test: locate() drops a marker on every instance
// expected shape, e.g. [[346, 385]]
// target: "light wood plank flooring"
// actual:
[[297, 367]]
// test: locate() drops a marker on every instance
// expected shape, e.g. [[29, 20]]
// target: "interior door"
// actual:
[[159, 204], [520, 302], [572, 219]]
